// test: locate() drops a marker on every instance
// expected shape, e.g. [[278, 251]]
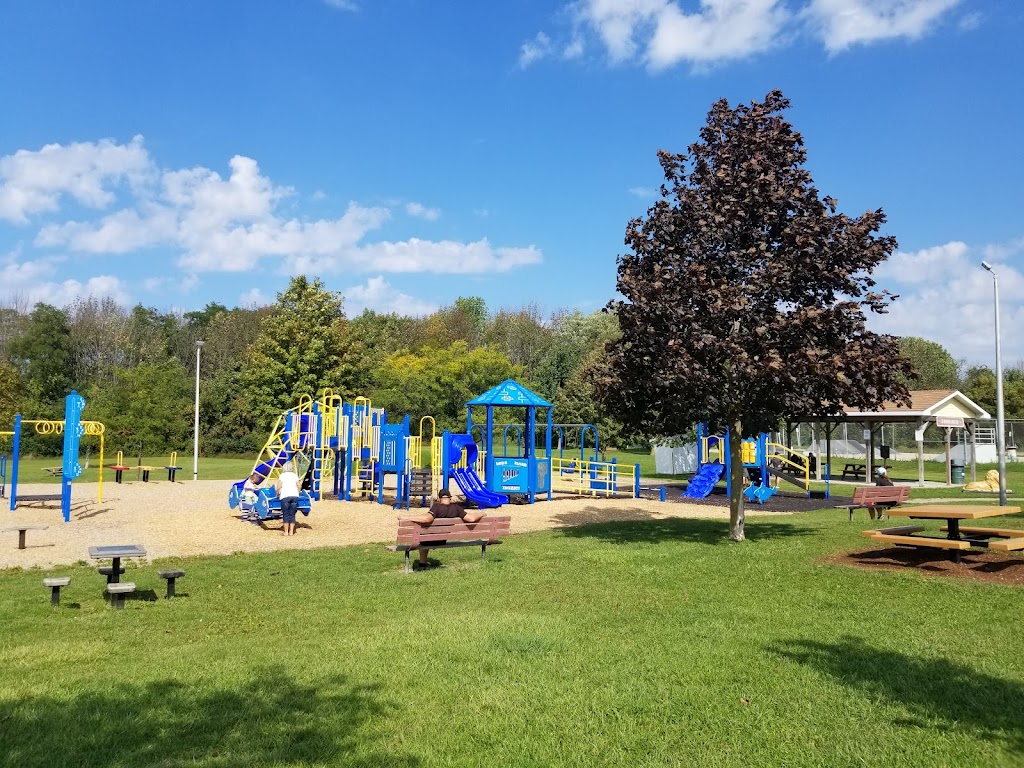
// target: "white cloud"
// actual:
[[843, 23], [233, 225], [253, 299], [380, 296], [415, 255], [644, 192], [663, 33], [344, 5], [946, 296], [34, 182], [421, 211], [534, 50], [34, 281]]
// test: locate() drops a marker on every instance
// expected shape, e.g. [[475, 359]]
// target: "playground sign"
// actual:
[[950, 422]]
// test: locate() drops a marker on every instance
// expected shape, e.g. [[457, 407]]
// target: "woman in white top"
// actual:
[[288, 493]]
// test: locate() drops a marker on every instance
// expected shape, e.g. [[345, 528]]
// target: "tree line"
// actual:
[[136, 366]]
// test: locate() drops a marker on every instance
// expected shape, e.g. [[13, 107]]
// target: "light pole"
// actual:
[[199, 351], [1000, 423]]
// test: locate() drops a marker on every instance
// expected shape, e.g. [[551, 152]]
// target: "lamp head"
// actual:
[[986, 265], [199, 344]]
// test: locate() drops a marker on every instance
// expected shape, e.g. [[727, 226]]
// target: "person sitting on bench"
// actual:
[[443, 507], [881, 479]]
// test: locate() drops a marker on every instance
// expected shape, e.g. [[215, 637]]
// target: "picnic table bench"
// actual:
[[1003, 539], [871, 496], [447, 532], [54, 471], [854, 471]]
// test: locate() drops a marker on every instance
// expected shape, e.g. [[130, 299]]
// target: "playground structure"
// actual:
[[73, 429], [348, 450], [762, 458]]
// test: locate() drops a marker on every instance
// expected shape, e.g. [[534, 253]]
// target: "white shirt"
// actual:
[[289, 484]]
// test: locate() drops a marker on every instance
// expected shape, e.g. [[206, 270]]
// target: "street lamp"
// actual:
[[199, 350], [1000, 423]]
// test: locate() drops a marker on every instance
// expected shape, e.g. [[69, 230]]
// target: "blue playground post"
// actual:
[[14, 461]]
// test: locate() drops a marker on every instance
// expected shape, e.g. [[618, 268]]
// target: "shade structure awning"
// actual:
[[510, 393]]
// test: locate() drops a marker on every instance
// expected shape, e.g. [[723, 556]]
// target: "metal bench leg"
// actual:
[[170, 587], [55, 596], [21, 539], [117, 601], [483, 551], [407, 563]]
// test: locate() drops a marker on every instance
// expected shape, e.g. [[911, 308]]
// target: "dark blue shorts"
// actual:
[[289, 507]]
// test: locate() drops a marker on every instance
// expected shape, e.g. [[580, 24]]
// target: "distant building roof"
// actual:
[[925, 404]]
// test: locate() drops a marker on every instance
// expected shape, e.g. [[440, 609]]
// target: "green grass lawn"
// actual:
[[647, 643]]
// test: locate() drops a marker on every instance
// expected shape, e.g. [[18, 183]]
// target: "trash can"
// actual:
[[957, 471]]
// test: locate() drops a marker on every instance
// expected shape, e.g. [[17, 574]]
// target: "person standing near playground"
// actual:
[[443, 507], [288, 493]]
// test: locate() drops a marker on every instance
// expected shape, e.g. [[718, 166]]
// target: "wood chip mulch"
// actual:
[[991, 567]]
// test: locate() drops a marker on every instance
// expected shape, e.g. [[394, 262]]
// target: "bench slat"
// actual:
[[893, 531], [1007, 545], [1009, 533], [922, 541]]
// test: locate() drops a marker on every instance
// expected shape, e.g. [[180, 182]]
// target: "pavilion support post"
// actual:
[[869, 464], [974, 450], [815, 441], [828, 447], [919, 437]]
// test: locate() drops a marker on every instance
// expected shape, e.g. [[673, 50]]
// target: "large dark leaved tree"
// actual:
[[745, 294]]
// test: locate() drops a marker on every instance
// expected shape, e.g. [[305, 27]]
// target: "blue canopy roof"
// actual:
[[510, 393]]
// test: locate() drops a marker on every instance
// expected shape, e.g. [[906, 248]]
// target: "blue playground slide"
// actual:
[[469, 482], [704, 481], [467, 478]]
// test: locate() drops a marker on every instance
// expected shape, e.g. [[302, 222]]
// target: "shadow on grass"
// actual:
[[933, 688], [271, 720], [645, 528]]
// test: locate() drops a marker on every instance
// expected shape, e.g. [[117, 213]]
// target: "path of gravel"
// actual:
[[192, 518]]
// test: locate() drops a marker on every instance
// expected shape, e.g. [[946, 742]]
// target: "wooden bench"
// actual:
[[447, 532], [855, 471], [54, 471], [870, 496], [903, 536], [117, 593], [21, 531], [998, 539]]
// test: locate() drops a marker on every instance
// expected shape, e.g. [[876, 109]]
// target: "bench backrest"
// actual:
[[453, 529], [876, 494]]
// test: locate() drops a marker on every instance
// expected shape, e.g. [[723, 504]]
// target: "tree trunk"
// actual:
[[736, 515]]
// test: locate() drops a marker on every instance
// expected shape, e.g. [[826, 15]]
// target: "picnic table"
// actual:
[[958, 538], [115, 553], [856, 471]]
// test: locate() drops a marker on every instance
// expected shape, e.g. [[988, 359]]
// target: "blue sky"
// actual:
[[411, 151]]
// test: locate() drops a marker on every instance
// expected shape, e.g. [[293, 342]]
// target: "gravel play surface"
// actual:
[[192, 518]]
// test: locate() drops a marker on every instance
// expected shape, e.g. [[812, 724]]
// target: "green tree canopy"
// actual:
[[934, 367], [745, 292], [304, 345], [44, 353], [439, 382]]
